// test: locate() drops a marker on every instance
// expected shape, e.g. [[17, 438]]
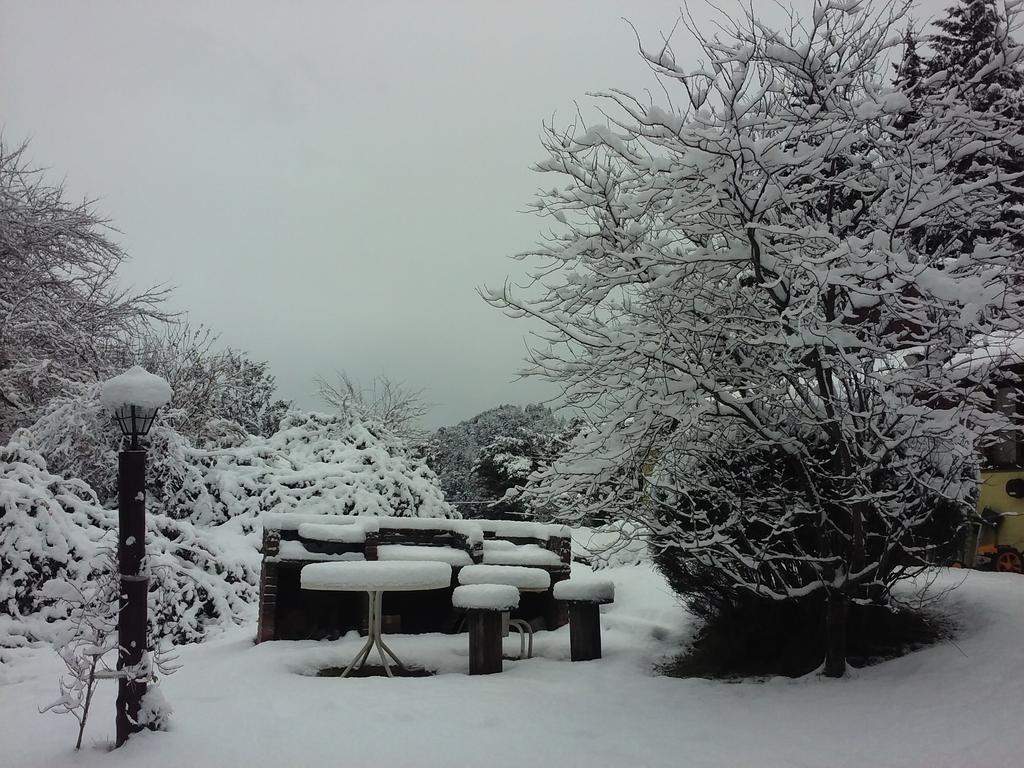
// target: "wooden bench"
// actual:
[[292, 540]]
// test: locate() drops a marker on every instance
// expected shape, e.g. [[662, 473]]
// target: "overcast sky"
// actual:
[[325, 184]]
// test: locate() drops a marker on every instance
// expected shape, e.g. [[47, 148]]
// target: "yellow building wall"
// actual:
[[993, 495]]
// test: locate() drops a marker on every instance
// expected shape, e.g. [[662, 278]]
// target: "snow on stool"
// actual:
[[585, 597], [486, 597], [598, 591], [521, 577], [376, 576]]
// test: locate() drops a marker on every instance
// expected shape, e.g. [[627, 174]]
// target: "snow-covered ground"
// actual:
[[237, 704]]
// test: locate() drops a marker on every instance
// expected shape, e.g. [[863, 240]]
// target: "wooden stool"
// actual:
[[485, 604], [585, 598], [522, 578]]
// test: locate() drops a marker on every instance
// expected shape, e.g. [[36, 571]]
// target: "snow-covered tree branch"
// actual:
[[741, 298], [62, 312], [387, 403]]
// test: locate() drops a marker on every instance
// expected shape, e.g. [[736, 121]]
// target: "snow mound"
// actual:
[[155, 711]]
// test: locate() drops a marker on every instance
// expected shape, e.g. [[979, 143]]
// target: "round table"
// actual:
[[375, 577]]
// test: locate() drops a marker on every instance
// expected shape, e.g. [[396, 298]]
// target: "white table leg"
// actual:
[[378, 600], [374, 638], [364, 652]]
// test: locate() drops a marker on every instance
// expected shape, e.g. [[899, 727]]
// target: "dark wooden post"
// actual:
[[556, 614], [267, 628], [131, 621], [584, 631], [836, 609], [484, 642]]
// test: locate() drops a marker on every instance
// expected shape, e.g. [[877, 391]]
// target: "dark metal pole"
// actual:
[[131, 622]]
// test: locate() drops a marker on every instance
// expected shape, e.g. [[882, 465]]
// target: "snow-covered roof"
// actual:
[[136, 386]]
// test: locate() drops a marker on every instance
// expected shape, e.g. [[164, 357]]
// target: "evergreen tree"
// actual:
[[910, 74], [975, 61], [910, 70], [478, 460]]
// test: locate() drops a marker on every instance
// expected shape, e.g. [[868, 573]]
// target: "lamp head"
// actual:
[[134, 421], [134, 397]]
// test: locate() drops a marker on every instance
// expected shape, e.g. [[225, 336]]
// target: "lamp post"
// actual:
[[134, 398]]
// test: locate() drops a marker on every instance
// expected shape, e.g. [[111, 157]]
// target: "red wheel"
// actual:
[[1008, 561]]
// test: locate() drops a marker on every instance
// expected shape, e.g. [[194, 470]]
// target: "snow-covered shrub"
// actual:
[[52, 528], [483, 461], [321, 463], [155, 711], [174, 479], [198, 578], [78, 438], [87, 642], [203, 508]]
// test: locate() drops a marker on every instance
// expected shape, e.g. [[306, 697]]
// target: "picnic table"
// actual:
[[375, 577]]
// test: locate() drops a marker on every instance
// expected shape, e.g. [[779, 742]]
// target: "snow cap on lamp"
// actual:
[[134, 397]]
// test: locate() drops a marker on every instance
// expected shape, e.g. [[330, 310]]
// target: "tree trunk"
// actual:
[[835, 634]]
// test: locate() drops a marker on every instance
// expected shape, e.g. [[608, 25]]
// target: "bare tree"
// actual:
[[739, 297], [88, 642], [209, 384], [388, 403], [62, 312]]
